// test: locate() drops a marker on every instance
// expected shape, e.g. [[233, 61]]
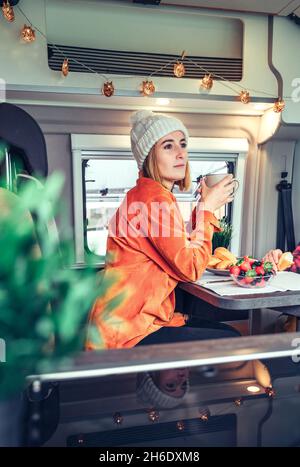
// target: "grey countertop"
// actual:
[[243, 302]]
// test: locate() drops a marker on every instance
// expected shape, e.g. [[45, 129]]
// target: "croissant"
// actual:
[[224, 254], [224, 264], [286, 260], [213, 261]]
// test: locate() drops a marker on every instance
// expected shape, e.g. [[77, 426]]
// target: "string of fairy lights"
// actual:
[[147, 88]]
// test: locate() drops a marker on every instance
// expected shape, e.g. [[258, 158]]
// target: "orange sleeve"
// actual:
[[187, 256], [192, 222]]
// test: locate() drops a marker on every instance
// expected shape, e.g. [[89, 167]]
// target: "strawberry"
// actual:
[[260, 270], [234, 270], [244, 281], [251, 260], [245, 266], [248, 280]]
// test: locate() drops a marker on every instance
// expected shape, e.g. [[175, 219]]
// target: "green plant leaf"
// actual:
[[44, 303], [222, 238]]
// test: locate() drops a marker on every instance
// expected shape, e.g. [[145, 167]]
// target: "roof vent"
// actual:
[[140, 63]]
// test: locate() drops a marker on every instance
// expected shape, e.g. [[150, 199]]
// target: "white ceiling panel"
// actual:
[[273, 7]]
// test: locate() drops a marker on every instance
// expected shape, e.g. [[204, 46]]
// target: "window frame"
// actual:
[[85, 146]]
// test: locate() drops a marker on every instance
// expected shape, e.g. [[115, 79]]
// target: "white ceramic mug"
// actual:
[[213, 179]]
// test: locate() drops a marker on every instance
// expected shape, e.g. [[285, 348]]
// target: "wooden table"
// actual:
[[287, 302]]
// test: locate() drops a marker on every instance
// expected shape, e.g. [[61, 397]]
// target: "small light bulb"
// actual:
[[163, 101], [253, 389]]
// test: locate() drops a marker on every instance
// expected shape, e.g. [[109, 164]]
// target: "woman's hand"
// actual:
[[218, 195], [273, 257]]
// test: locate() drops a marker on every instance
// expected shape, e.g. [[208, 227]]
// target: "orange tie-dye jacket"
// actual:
[[149, 256]]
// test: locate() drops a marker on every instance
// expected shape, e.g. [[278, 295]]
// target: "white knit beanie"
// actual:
[[147, 129], [149, 393]]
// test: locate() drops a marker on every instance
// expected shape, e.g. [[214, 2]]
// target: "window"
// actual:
[[104, 170], [107, 181]]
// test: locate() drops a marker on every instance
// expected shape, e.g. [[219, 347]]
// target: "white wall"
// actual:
[[286, 58], [140, 28], [271, 163]]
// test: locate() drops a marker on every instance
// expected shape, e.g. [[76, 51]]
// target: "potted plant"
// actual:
[[44, 303], [222, 238]]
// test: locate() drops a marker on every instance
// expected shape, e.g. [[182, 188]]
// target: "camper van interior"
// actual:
[[188, 338]]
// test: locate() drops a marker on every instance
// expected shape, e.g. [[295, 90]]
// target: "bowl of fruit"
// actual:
[[252, 273]]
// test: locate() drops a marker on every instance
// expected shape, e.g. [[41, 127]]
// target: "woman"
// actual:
[[149, 248]]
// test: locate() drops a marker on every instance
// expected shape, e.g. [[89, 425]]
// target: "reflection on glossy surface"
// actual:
[[199, 406], [166, 388]]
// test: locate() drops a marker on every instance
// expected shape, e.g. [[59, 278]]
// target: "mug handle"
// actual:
[[237, 185]]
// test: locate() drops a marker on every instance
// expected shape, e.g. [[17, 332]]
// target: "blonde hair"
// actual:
[[150, 170]]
